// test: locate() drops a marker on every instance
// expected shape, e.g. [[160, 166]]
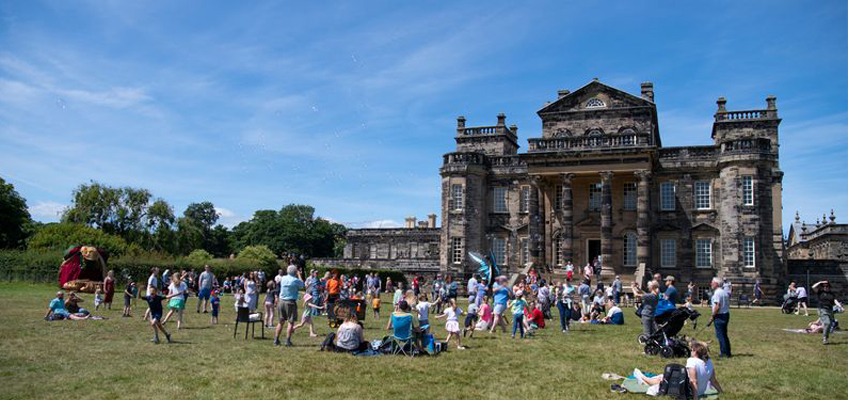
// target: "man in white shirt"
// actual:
[[721, 316], [152, 283], [279, 277], [801, 292], [472, 289]]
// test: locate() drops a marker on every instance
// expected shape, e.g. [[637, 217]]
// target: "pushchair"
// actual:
[[789, 304], [665, 341], [342, 308]]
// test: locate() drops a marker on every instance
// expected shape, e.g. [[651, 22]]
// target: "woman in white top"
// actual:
[[250, 293], [699, 367]]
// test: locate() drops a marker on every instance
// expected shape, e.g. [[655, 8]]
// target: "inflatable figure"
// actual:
[[83, 269], [488, 267]]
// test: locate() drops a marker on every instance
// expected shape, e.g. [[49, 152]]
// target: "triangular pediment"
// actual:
[[704, 227], [586, 99], [666, 226], [592, 220]]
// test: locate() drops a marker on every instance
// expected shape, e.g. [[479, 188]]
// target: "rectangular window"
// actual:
[[667, 198], [748, 190], [499, 200], [702, 195], [558, 252], [456, 197], [456, 250], [704, 253], [524, 205], [372, 251], [499, 249], [525, 251], [749, 252], [558, 198], [595, 196], [668, 253], [630, 249], [630, 196]]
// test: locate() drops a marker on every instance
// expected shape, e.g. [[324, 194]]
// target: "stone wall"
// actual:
[[807, 272]]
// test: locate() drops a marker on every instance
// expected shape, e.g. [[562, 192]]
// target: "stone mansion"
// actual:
[[599, 183]]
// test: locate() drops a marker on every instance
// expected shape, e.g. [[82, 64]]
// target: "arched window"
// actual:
[[630, 249], [595, 103], [595, 138]]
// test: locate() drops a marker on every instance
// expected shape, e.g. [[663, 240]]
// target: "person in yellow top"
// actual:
[[375, 304]]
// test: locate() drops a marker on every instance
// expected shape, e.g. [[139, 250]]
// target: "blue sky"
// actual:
[[348, 106]]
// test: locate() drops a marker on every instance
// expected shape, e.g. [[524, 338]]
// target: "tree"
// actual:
[[202, 214], [60, 236], [220, 241], [199, 256], [160, 226], [260, 254], [15, 221], [293, 229], [189, 236]]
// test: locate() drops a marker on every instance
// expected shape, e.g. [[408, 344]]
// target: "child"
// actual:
[[312, 309], [423, 310], [98, 299], [270, 303], [470, 320], [215, 300], [154, 301], [240, 299], [129, 294], [452, 323], [517, 306], [375, 304], [689, 304]]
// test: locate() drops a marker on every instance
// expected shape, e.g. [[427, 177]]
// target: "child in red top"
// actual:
[[536, 318]]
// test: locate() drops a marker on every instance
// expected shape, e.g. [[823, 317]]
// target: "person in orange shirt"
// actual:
[[334, 287]]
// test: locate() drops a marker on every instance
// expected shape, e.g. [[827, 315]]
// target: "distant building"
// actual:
[[818, 252]]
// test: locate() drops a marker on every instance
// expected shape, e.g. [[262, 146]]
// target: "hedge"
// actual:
[[43, 266]]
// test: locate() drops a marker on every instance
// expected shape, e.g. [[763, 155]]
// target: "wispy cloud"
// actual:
[[47, 210]]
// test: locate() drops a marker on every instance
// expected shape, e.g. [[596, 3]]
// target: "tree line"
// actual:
[[133, 220]]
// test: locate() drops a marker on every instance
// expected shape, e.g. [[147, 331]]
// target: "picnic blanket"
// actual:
[[633, 386]]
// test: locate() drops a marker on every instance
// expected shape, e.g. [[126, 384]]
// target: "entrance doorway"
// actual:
[[593, 249]]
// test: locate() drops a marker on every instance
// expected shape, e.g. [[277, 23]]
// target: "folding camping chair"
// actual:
[[243, 316]]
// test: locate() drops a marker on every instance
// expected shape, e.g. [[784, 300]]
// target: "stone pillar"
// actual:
[[567, 207], [606, 220], [535, 223], [643, 239]]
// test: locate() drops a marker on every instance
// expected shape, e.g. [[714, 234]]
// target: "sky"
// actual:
[[349, 106]]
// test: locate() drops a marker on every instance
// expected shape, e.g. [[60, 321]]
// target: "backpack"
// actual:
[[675, 382]]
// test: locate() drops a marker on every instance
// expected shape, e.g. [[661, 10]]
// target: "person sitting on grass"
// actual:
[[485, 313], [699, 367], [56, 310], [154, 301], [72, 304], [614, 316], [535, 317], [350, 337]]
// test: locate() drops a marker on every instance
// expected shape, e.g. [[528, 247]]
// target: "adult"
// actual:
[[280, 275], [501, 294], [588, 272], [699, 367], [72, 304], [614, 316], [690, 291], [584, 291], [543, 298], [617, 288], [827, 300], [472, 289], [251, 291], [177, 292], [287, 306], [721, 316], [758, 292], [671, 294], [659, 279], [350, 337], [802, 301], [650, 300], [109, 289], [452, 288], [152, 285], [57, 311], [204, 288], [403, 324]]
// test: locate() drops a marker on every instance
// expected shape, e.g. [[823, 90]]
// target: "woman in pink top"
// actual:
[[485, 315]]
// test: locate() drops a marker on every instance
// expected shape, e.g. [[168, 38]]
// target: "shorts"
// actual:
[[499, 309], [215, 312], [155, 316], [204, 294], [177, 303], [376, 309], [802, 300], [452, 326], [470, 320], [287, 310], [127, 301]]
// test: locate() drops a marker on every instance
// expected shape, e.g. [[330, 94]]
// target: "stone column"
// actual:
[[606, 220], [643, 239], [535, 223], [567, 207]]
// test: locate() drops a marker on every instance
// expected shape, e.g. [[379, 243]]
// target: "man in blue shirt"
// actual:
[[671, 294], [287, 306], [721, 316], [501, 294]]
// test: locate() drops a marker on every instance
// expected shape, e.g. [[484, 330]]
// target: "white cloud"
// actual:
[[47, 210], [224, 213], [381, 223]]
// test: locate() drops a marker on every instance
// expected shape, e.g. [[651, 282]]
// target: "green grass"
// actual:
[[114, 359]]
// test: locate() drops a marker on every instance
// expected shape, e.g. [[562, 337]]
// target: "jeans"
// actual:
[[518, 324], [564, 314], [721, 321], [826, 316], [617, 296], [648, 326]]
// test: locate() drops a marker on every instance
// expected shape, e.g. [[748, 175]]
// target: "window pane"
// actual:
[[668, 252], [525, 251], [456, 250], [630, 196], [667, 196], [749, 252], [499, 248], [524, 205], [630, 249], [595, 196], [703, 253], [500, 199], [748, 190], [702, 195], [558, 251], [558, 197], [456, 197]]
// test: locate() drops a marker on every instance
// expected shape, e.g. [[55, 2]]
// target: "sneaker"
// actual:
[[289, 343], [460, 348], [824, 341], [168, 336], [277, 342], [563, 331], [616, 388], [155, 340]]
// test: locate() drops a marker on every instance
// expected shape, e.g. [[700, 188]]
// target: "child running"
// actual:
[[215, 301], [517, 306], [98, 299], [470, 320], [311, 309], [154, 301], [452, 323], [423, 310], [375, 304]]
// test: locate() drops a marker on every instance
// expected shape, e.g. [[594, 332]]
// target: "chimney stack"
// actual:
[[431, 221], [648, 91], [422, 224], [501, 119], [562, 93], [771, 102], [410, 222], [721, 102]]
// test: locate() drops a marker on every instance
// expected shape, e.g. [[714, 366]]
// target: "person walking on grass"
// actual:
[[802, 301], [129, 294], [152, 283], [827, 301], [154, 302], [311, 309], [204, 288], [287, 304], [108, 289], [721, 316], [650, 300], [177, 292], [517, 307], [758, 292], [451, 313], [501, 295]]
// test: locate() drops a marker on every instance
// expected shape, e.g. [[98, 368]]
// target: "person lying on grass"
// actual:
[[56, 310], [699, 366]]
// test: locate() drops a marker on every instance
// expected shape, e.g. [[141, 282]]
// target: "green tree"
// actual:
[[220, 241], [260, 254], [60, 236], [202, 214], [15, 221], [293, 229], [160, 227], [199, 256], [189, 236]]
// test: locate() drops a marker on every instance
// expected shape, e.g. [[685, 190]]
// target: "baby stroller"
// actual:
[[789, 304], [665, 341], [342, 308]]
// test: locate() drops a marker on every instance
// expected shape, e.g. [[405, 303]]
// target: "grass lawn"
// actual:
[[114, 359]]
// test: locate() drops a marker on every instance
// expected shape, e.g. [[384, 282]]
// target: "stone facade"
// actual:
[[817, 252], [598, 182]]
